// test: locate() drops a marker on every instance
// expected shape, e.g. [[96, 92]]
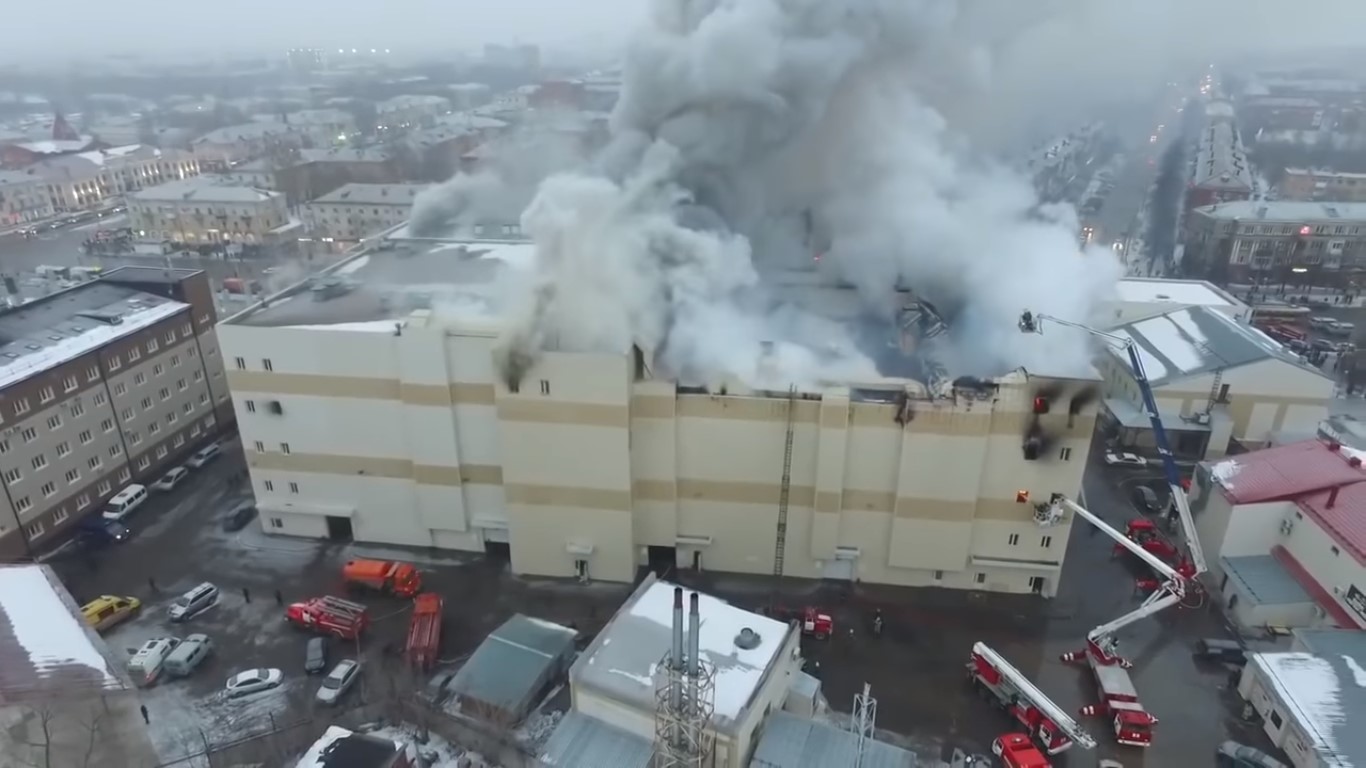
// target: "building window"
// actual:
[[1014, 539], [1276, 719], [162, 451], [284, 448], [139, 380], [170, 336], [1046, 542], [545, 386], [48, 489], [241, 363], [54, 421], [77, 409], [115, 449], [1066, 454], [95, 462], [265, 363], [171, 417], [514, 387], [29, 434], [192, 352], [157, 369], [125, 475], [120, 389], [63, 448], [938, 575], [195, 431], [73, 474], [13, 476], [198, 375], [92, 374], [293, 487], [269, 485], [260, 447], [144, 463], [178, 441], [85, 437], [46, 395], [146, 403], [980, 578], [276, 522], [153, 428], [186, 330], [104, 487], [181, 385], [1036, 583], [70, 383], [152, 346], [114, 363], [134, 355], [35, 530], [39, 461], [107, 425], [164, 394], [82, 501], [251, 406], [1334, 550], [22, 505], [175, 360], [4, 446], [127, 414], [21, 406]]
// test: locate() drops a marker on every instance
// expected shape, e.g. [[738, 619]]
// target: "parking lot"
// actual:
[[915, 666]]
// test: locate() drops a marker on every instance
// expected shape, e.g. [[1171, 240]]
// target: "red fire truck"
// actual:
[[1044, 721], [400, 579], [813, 621], [1017, 751], [329, 615], [424, 631]]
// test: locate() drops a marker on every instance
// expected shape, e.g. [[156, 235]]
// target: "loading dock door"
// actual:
[[842, 566]]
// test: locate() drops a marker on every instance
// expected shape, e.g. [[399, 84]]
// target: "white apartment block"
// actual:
[[371, 408], [205, 210], [352, 212], [23, 198]]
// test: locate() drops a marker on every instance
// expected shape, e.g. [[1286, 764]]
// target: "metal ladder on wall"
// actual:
[[785, 489], [1214, 390]]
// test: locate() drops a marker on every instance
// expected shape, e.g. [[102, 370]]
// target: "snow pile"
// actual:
[[538, 727], [1309, 685], [1224, 472], [432, 751]]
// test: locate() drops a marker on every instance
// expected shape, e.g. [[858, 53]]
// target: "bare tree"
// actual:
[[46, 750]]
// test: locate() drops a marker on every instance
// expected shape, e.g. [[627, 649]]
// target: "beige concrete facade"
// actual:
[[412, 439]]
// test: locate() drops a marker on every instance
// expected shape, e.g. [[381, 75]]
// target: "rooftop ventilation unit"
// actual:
[[107, 318], [748, 639]]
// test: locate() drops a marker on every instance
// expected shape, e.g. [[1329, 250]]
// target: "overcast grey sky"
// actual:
[[76, 27]]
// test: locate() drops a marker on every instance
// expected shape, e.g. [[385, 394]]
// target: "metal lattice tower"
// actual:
[[682, 736], [864, 723]]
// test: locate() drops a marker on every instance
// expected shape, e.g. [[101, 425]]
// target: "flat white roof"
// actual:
[[1187, 292], [1325, 696], [50, 640], [622, 661]]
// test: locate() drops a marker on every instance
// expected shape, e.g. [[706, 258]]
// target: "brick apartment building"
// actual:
[[103, 384]]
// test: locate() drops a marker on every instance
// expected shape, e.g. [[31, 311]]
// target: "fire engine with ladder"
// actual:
[[1117, 698]]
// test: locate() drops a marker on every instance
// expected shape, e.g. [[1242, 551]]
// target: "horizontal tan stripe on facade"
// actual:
[[737, 492], [746, 408], [827, 502], [368, 466], [314, 384], [481, 474], [553, 412], [566, 496], [935, 509], [654, 490], [652, 407]]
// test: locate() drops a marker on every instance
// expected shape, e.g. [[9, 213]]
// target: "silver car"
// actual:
[[338, 682], [252, 681]]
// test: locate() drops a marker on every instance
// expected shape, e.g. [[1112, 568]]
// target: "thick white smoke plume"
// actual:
[[753, 135]]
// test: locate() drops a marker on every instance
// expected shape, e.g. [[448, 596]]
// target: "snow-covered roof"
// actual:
[[340, 748], [1290, 211], [1221, 162], [622, 660], [1326, 696], [45, 333], [1161, 291], [203, 189], [1192, 341], [45, 644], [372, 194]]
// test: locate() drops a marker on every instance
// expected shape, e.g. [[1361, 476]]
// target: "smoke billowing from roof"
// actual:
[[753, 135]]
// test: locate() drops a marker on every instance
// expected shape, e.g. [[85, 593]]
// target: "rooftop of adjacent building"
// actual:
[[1325, 691], [372, 194], [1322, 478], [203, 189], [621, 662], [1158, 290], [1221, 162], [1197, 340], [49, 331], [1287, 211], [1325, 173], [341, 748], [46, 647]]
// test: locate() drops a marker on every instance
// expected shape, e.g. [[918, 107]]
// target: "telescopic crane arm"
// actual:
[[1033, 323]]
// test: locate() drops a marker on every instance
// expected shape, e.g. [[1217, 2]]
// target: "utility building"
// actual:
[[371, 408]]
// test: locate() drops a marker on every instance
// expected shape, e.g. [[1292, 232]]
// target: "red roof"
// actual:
[[1311, 585], [1284, 472], [1342, 513]]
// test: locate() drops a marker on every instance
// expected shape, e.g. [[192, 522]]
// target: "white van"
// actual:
[[189, 655], [145, 666], [124, 502]]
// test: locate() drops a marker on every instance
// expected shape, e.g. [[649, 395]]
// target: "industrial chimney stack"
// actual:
[[685, 688]]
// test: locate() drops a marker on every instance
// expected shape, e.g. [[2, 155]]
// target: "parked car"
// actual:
[[1145, 499], [122, 504], [96, 531], [191, 652], [315, 655], [1341, 328], [1231, 754], [1125, 459], [238, 518], [204, 455], [1219, 650], [108, 610], [252, 681], [1318, 322], [171, 479], [338, 681], [193, 603]]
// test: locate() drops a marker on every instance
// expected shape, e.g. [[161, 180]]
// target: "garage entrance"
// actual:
[[496, 544], [339, 529]]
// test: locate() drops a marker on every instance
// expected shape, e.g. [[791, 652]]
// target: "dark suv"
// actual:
[[1221, 651]]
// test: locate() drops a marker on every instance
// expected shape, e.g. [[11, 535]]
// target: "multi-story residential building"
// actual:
[[1221, 172], [103, 384], [206, 210], [1295, 243], [223, 148], [93, 179], [311, 173], [409, 110], [1320, 184], [326, 126], [23, 198], [376, 410], [344, 216]]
